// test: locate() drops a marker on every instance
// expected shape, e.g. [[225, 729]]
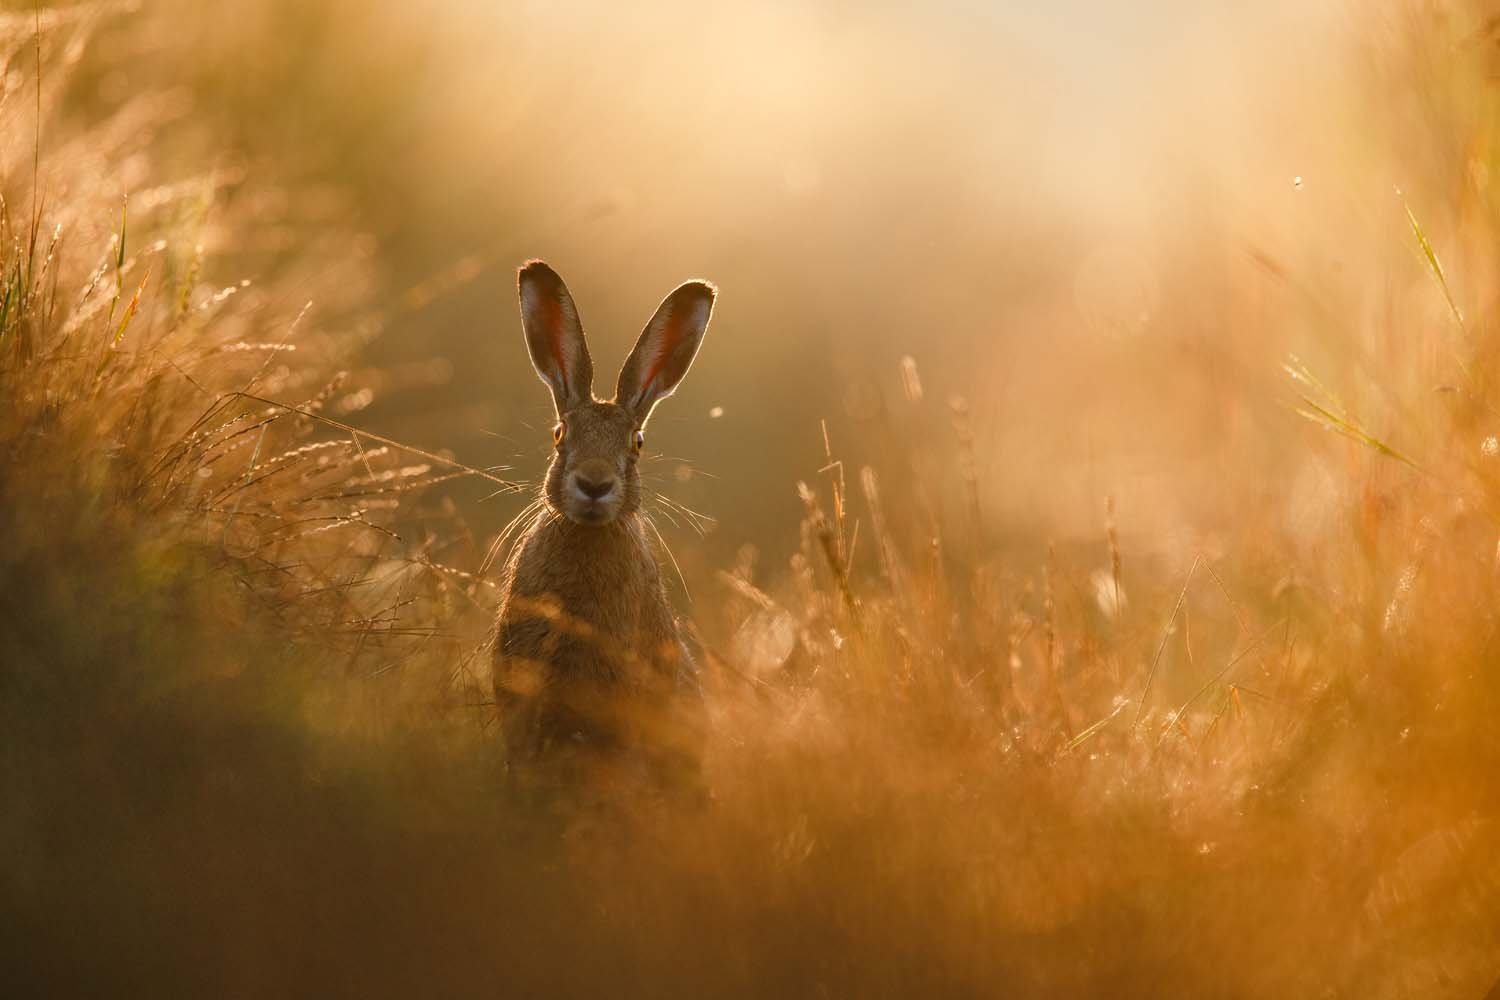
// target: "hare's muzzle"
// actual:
[[591, 489], [594, 492]]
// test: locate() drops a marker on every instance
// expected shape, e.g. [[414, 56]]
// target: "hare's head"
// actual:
[[593, 478]]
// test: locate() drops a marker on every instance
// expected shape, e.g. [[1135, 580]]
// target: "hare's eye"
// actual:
[[558, 433], [638, 441]]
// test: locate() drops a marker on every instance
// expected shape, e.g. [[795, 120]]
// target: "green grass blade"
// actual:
[[124, 218], [1339, 425], [1330, 414], [1433, 264]]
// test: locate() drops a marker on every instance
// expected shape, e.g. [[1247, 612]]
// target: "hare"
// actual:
[[588, 658]]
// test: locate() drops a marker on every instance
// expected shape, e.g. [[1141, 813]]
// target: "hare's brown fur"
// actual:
[[588, 655]]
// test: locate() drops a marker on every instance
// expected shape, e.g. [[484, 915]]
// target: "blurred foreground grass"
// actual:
[[245, 745]]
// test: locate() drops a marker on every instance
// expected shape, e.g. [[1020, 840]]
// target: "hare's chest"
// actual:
[[589, 582]]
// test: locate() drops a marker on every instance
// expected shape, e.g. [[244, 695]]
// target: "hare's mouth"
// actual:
[[592, 513]]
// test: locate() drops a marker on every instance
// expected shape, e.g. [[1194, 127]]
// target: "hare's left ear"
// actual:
[[666, 349]]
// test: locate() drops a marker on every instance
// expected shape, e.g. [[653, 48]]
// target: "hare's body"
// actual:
[[606, 579], [588, 655], [588, 652]]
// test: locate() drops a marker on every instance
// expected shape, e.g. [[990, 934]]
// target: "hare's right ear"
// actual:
[[554, 336], [666, 349]]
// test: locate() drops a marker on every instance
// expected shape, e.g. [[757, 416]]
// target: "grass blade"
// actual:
[[1433, 264]]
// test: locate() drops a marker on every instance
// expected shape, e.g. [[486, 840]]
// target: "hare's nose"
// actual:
[[594, 489]]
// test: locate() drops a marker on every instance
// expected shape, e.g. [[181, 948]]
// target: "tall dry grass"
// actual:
[[243, 685]]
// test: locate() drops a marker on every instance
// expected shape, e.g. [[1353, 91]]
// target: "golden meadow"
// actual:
[[1087, 499]]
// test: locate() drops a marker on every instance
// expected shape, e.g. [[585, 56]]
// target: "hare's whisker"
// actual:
[[506, 491], [697, 521], [671, 557], [683, 508], [692, 468], [665, 511], [506, 532]]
